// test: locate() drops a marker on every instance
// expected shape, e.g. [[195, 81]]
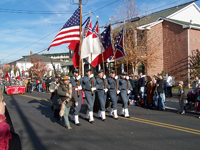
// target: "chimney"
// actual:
[[31, 52]]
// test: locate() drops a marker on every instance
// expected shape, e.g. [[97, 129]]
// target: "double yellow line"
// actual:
[[165, 125], [44, 99], [155, 123]]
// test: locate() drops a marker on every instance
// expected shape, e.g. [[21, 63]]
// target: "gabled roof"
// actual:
[[163, 13], [183, 23], [40, 57]]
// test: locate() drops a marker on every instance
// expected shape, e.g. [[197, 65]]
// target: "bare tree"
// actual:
[[39, 68], [137, 43]]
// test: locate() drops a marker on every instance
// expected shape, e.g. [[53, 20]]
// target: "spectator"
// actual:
[[48, 81], [39, 85], [195, 87], [43, 87], [141, 85], [181, 93], [161, 105], [29, 87], [34, 84], [165, 78], [169, 84], [198, 100], [8, 139], [150, 92], [135, 90]]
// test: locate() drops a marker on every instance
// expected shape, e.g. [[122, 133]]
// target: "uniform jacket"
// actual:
[[74, 82], [87, 82], [123, 84], [100, 84], [112, 83]]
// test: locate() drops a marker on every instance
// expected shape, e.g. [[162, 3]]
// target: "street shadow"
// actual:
[[45, 108], [34, 138]]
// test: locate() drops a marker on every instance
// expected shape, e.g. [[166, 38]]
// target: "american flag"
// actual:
[[70, 32], [119, 44]]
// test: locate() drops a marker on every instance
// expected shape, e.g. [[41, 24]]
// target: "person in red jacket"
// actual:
[[43, 87]]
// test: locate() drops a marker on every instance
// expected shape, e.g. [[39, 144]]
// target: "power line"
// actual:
[[52, 33]]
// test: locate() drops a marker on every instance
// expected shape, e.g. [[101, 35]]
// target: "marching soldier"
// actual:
[[124, 92], [54, 97], [102, 94], [113, 94], [74, 82], [89, 91]]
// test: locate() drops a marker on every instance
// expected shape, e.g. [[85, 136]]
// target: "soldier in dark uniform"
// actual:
[[113, 94], [74, 81], [67, 96], [124, 93], [102, 94], [89, 93]]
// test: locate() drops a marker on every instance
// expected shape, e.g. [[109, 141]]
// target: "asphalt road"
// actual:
[[146, 129]]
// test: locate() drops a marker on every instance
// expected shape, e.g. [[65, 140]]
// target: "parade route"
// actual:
[[33, 120]]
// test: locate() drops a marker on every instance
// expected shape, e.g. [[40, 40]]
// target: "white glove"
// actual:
[[76, 89], [106, 90], [93, 89], [116, 77], [118, 91], [104, 76], [92, 75], [78, 78], [127, 77], [80, 87], [129, 91]]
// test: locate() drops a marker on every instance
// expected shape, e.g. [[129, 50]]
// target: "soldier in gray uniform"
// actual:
[[113, 94], [74, 81], [102, 94], [89, 93], [124, 93]]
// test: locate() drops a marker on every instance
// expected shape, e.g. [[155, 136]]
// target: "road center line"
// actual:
[[160, 124]]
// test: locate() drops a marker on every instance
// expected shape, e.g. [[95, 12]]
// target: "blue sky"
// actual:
[[27, 25]]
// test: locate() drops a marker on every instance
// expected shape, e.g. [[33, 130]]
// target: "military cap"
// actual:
[[124, 73], [100, 71], [88, 70], [76, 70], [112, 71]]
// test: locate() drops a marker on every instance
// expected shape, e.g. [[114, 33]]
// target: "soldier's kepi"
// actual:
[[74, 81], [102, 94], [89, 89], [113, 94], [124, 93]]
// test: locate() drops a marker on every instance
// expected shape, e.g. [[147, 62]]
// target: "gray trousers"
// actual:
[[78, 108], [125, 98], [113, 98], [102, 99], [90, 98]]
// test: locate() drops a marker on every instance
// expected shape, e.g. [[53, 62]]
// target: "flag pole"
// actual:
[[101, 52], [91, 64], [80, 64], [126, 56], [114, 58]]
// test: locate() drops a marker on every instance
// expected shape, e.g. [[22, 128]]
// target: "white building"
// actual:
[[25, 63]]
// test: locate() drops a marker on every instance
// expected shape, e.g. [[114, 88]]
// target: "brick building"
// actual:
[[173, 33]]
